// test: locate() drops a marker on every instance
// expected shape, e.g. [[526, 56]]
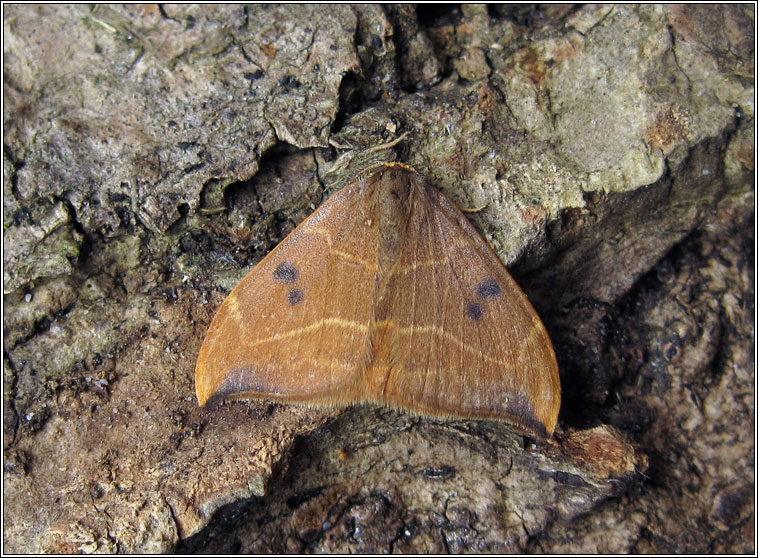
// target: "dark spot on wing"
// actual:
[[286, 273], [295, 296], [489, 288], [522, 412], [474, 311], [240, 381]]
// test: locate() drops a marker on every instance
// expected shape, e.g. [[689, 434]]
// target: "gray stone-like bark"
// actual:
[[153, 154]]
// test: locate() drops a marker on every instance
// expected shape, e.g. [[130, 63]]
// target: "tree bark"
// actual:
[[153, 154]]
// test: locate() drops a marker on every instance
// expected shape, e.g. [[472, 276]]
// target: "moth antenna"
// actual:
[[389, 144], [476, 209]]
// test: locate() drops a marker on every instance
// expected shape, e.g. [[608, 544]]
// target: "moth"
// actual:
[[386, 294]]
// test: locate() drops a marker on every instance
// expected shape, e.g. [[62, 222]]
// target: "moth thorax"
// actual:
[[393, 206]]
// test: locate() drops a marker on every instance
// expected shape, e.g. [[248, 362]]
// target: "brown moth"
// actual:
[[386, 294]]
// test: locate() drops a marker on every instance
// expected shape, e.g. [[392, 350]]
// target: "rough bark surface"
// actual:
[[153, 154]]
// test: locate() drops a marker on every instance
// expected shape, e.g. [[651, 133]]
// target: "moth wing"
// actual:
[[289, 331], [460, 338]]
